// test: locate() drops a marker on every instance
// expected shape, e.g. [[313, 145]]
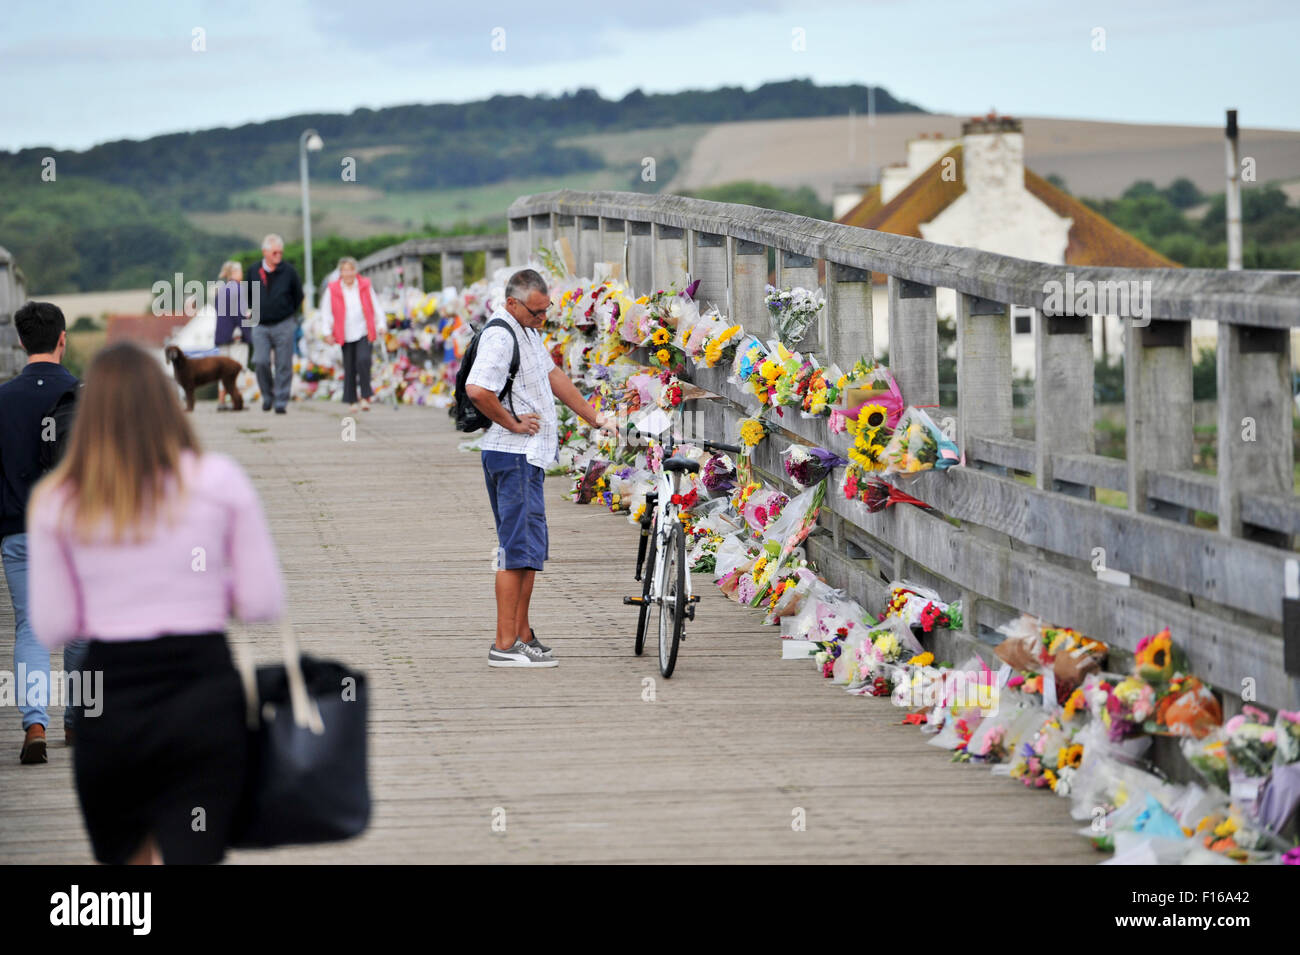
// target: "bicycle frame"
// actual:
[[667, 514]]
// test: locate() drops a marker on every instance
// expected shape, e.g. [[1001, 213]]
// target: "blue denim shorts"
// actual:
[[519, 508]]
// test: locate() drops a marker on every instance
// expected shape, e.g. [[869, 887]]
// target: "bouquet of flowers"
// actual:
[[877, 494], [762, 507], [720, 347], [1287, 729], [871, 435], [793, 310], [819, 394], [1156, 659], [1188, 708], [1251, 742], [870, 383], [751, 432], [1131, 703], [917, 444], [718, 474], [808, 466], [1209, 757]]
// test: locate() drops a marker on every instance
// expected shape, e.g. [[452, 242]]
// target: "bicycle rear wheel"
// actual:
[[672, 601], [647, 585]]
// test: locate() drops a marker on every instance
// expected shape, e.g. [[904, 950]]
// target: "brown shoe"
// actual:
[[33, 750]]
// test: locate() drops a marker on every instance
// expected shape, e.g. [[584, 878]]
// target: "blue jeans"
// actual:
[[278, 338], [30, 656]]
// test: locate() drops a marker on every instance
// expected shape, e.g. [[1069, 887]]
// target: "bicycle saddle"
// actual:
[[681, 464]]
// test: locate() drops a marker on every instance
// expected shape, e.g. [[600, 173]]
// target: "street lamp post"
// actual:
[[309, 141]]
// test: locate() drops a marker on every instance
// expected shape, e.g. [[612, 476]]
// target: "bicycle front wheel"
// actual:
[[647, 585], [672, 600]]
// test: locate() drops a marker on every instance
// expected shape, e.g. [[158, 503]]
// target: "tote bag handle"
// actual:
[[306, 715]]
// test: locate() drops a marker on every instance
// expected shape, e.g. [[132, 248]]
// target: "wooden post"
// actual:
[[749, 286], [670, 265], [849, 333], [413, 272], [566, 227], [1255, 411], [453, 269], [914, 341], [1158, 409], [983, 369], [1063, 400], [613, 236], [493, 260], [640, 257], [710, 267], [541, 233], [519, 241], [588, 248]]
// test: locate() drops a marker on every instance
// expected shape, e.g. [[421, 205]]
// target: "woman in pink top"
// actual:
[[144, 545]]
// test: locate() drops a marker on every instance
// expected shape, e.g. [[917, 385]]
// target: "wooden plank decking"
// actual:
[[386, 545]]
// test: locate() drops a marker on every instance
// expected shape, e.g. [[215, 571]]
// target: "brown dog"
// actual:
[[192, 372]]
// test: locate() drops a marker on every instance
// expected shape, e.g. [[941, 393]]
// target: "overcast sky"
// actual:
[[78, 72]]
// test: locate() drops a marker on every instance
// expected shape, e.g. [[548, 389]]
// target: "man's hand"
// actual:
[[527, 424], [604, 422]]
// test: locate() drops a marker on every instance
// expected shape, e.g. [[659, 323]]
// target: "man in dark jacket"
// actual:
[[276, 294], [26, 419]]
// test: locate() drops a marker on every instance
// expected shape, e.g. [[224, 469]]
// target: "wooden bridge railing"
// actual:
[[406, 260], [1231, 596], [1001, 544]]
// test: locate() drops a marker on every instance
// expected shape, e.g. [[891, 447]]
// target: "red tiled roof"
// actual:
[[1093, 239]]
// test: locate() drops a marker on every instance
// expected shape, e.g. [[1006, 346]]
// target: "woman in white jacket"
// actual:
[[353, 318]]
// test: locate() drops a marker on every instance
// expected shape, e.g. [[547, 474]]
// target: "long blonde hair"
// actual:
[[125, 444]]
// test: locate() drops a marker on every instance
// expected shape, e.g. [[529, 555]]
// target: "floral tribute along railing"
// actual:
[[1111, 628], [1000, 545], [658, 298]]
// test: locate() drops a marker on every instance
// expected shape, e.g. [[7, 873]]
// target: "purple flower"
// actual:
[[690, 289]]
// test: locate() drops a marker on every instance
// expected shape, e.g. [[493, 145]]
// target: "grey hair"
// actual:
[[271, 241], [523, 282], [346, 258]]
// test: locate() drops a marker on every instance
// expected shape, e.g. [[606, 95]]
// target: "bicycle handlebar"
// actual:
[[719, 446]]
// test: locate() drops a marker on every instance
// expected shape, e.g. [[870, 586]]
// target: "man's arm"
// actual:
[[487, 402], [564, 389]]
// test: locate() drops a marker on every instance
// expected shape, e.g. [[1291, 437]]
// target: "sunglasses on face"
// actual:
[[536, 312]]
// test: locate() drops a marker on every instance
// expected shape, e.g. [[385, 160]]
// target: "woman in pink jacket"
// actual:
[[144, 545]]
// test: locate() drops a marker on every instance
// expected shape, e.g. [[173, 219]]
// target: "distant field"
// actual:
[[98, 304], [348, 211], [1098, 160], [625, 151]]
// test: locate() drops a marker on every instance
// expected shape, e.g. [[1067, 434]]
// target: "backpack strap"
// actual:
[[507, 391]]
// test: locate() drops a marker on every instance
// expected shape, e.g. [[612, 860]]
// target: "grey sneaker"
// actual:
[[520, 655], [532, 641]]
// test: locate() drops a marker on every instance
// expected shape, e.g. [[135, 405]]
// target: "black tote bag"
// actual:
[[307, 778]]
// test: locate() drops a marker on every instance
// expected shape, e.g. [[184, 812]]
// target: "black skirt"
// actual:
[[167, 755]]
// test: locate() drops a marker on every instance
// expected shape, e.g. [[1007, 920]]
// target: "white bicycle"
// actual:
[[665, 578]]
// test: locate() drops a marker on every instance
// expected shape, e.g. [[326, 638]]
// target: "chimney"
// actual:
[[993, 154]]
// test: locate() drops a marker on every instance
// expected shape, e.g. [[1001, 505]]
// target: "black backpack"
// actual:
[[468, 417], [61, 414]]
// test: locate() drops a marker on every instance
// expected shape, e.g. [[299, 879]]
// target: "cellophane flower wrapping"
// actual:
[[918, 444]]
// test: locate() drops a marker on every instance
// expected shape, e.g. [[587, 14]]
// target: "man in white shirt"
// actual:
[[521, 443], [353, 318]]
